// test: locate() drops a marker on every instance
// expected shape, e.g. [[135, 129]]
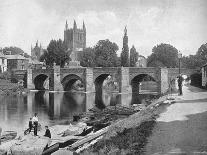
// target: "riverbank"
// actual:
[[8, 88], [128, 136]]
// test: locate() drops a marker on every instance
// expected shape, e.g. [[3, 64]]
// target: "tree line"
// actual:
[[104, 54]]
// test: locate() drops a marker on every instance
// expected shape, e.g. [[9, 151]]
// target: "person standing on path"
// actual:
[[0, 135], [180, 81], [35, 122]]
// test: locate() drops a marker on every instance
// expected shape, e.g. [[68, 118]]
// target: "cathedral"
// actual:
[[37, 51], [75, 40]]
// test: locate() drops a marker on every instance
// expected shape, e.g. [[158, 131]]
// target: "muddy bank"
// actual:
[[8, 88], [129, 136]]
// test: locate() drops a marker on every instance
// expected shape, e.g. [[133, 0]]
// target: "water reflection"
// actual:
[[55, 108]]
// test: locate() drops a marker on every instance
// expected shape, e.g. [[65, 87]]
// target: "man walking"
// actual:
[[35, 122], [180, 81]]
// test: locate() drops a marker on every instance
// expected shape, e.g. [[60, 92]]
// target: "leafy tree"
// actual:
[[14, 50], [163, 54], [87, 58], [202, 53], [56, 52], [133, 56], [125, 55], [105, 54], [197, 60]]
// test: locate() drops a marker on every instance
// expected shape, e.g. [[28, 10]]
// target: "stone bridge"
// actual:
[[128, 78]]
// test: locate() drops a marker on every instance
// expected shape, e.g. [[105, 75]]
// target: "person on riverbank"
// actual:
[[35, 123], [47, 132], [30, 125], [180, 81]]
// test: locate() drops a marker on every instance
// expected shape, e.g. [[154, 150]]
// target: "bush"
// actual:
[[5, 75], [196, 80]]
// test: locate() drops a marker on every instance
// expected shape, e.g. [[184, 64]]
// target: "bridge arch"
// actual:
[[137, 79], [39, 81], [69, 80], [99, 82]]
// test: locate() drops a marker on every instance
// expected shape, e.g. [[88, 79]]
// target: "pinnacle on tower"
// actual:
[[125, 31], [66, 25], [84, 28], [37, 43], [74, 25]]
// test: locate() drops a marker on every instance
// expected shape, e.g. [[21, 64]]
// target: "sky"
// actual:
[[181, 23]]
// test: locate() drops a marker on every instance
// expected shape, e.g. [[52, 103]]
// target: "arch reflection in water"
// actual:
[[55, 108]]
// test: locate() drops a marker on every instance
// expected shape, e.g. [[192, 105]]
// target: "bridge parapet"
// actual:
[[113, 71], [151, 71]]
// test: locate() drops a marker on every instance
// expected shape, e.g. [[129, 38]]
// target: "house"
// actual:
[[3, 63], [141, 62], [18, 62], [204, 75], [34, 63]]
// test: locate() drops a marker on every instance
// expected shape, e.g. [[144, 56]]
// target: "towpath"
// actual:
[[182, 128]]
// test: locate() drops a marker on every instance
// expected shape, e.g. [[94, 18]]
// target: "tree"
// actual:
[[14, 50], [197, 60], [105, 54], [133, 56], [125, 50], [87, 58], [56, 52], [202, 54], [163, 54]]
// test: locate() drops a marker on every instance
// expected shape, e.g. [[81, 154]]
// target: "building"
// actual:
[[18, 62], [204, 75], [37, 51], [34, 63], [3, 62], [75, 40], [141, 62]]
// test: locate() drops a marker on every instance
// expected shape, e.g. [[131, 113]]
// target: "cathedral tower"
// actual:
[[75, 39]]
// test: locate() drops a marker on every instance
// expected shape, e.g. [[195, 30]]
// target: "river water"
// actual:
[[56, 108]]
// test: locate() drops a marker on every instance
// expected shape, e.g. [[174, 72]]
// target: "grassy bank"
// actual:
[[8, 88], [129, 136]]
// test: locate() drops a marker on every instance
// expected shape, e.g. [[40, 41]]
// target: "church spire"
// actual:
[[66, 25], [74, 25]]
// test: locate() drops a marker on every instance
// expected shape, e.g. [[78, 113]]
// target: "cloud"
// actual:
[[180, 23]]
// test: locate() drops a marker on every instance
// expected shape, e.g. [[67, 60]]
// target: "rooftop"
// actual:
[[18, 57], [34, 61]]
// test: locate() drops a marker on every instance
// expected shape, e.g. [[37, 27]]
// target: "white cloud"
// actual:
[[181, 24]]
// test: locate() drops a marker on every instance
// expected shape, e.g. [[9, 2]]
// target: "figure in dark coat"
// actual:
[[30, 125], [180, 81], [47, 132]]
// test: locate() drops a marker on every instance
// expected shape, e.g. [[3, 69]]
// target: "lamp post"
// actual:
[[179, 57]]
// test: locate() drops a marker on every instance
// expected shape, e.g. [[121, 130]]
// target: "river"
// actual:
[[56, 108]]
